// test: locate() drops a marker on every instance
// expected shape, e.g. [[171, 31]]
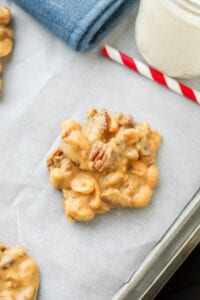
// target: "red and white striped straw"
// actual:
[[151, 73]]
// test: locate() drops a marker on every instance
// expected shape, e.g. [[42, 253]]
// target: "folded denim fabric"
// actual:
[[81, 24]]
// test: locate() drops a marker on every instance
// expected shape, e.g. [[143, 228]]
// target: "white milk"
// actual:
[[168, 35]]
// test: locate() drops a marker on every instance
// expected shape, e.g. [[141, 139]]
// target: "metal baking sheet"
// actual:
[[46, 82], [167, 255]]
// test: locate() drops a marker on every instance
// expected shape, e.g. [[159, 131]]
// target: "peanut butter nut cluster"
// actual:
[[6, 35], [19, 274], [105, 163]]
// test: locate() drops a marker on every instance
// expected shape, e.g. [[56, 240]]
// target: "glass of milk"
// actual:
[[168, 36]]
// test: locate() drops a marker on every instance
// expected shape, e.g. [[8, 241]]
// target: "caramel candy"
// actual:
[[107, 162], [19, 274]]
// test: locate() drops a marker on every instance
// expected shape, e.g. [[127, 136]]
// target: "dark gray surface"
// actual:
[[185, 284]]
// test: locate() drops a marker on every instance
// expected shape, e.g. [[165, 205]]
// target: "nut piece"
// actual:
[[115, 198], [113, 179], [152, 176], [131, 136], [95, 126], [5, 15], [82, 185], [6, 34], [108, 162], [6, 46], [76, 147], [19, 274], [67, 126], [55, 160], [138, 168], [142, 197]]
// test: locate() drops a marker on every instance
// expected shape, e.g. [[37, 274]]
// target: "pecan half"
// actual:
[[102, 155]]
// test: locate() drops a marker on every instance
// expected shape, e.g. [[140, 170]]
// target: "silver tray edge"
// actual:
[[166, 256]]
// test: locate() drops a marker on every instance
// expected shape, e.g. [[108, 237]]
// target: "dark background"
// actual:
[[185, 284]]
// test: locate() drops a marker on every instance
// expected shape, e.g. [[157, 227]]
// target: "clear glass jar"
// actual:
[[168, 36]]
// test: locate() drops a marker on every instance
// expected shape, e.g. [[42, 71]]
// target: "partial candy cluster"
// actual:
[[107, 162], [19, 274], [6, 35]]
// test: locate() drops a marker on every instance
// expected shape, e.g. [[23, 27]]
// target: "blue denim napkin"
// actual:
[[81, 24]]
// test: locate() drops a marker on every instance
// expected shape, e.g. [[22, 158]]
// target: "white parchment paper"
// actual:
[[44, 83]]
